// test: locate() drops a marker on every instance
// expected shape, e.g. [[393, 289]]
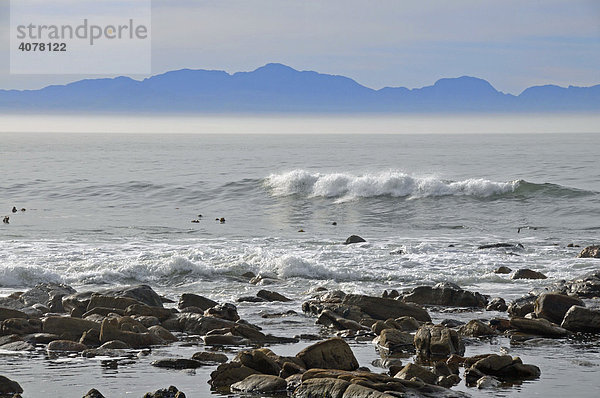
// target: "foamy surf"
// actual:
[[345, 186]]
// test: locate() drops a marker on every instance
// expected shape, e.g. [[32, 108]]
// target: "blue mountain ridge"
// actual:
[[277, 88]]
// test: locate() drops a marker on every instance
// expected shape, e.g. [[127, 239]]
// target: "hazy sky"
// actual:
[[511, 43]]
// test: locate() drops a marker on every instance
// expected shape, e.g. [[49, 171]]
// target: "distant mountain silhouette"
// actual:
[[280, 89]]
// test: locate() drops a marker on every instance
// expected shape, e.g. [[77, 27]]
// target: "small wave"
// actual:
[[391, 183]]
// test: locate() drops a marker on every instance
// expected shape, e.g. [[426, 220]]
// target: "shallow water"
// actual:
[[107, 210]]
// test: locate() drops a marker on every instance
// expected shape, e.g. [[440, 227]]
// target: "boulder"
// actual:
[[330, 319], [539, 327], [476, 328], [162, 334], [384, 308], [333, 353], [393, 341], [503, 367], [553, 307], [93, 393], [110, 331], [225, 339], [142, 293], [177, 363], [48, 294], [354, 239], [271, 296], [502, 270], [65, 346], [258, 384], [41, 338], [229, 373], [223, 311], [437, 342], [497, 304], [7, 313], [194, 300], [201, 325], [322, 388], [445, 295], [20, 326], [145, 310], [586, 286], [68, 326], [17, 346], [581, 319], [590, 252], [411, 370], [210, 357], [528, 274], [522, 306], [259, 361], [9, 387], [110, 302], [171, 392]]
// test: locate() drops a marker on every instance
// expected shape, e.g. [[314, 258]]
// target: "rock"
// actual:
[[354, 239], [147, 321], [553, 307], [360, 391], [393, 340], [497, 304], [114, 345], [225, 339], [330, 319], [194, 300], [333, 353], [321, 388], [223, 311], [229, 373], [90, 338], [259, 361], [452, 323], [162, 334], [68, 326], [6, 313], [383, 308], [93, 393], [487, 382], [260, 384], [503, 367], [177, 363], [580, 319], [445, 295], [411, 370], [540, 327], [522, 306], [20, 326], [528, 274], [271, 296], [142, 293], [145, 310], [8, 386], [66, 346], [502, 270], [43, 293], [586, 286], [110, 331], [17, 346], [210, 357], [590, 252], [41, 338], [251, 299], [435, 342], [171, 392], [201, 325], [109, 302], [476, 328], [512, 246]]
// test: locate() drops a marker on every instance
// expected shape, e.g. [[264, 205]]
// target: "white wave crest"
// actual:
[[390, 183]]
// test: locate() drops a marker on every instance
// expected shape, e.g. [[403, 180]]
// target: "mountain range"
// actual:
[[276, 88]]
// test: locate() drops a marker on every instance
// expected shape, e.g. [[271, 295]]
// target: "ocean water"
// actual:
[[108, 209]]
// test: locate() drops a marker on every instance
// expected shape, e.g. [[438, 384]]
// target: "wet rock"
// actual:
[[110, 302], [65, 346], [392, 294], [259, 361], [223, 311], [142, 293], [488, 382], [392, 341], [271, 296], [264, 280], [382, 308], [522, 306], [540, 327], [511, 246], [147, 321], [476, 328], [17, 346], [225, 339], [528, 274], [590, 252], [177, 363], [20, 326], [586, 286], [330, 319], [445, 295], [251, 299], [201, 325], [68, 326], [411, 370], [329, 354], [110, 331], [90, 338], [581, 319], [497, 304], [145, 310], [260, 384], [162, 334], [502, 270], [194, 300], [451, 323], [553, 307], [41, 338], [8, 386], [6, 313], [503, 367], [322, 387], [354, 239], [435, 342], [93, 393], [210, 357], [229, 373], [171, 392], [289, 369]]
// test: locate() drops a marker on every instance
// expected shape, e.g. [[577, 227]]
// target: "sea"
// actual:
[[103, 210]]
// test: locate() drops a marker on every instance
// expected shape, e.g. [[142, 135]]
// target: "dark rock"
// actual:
[[142, 293], [201, 325], [210, 357], [259, 361], [446, 296], [251, 299], [177, 363], [502, 270], [8, 386], [120, 303], [391, 341], [68, 326], [329, 354], [503, 367], [497, 304], [476, 328], [194, 300], [392, 294], [271, 296], [382, 308], [540, 327], [354, 239], [41, 338], [43, 293], [553, 307], [330, 319], [260, 384], [17, 346], [93, 393], [522, 306], [411, 370], [435, 342], [6, 313], [20, 326], [587, 286], [223, 311], [528, 274], [512, 246], [171, 392], [452, 323], [145, 310], [580, 319], [229, 373], [590, 252]]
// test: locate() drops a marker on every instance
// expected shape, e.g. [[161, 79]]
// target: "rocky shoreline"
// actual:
[[130, 321]]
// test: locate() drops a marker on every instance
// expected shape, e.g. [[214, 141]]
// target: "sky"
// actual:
[[513, 44]]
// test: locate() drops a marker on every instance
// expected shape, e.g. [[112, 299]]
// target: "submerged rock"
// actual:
[[177, 363], [513, 246], [502, 270], [354, 239]]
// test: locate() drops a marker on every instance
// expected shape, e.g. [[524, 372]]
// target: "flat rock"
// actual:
[[17, 346], [68, 326], [260, 384], [6, 313], [540, 327]]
